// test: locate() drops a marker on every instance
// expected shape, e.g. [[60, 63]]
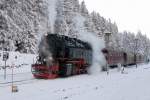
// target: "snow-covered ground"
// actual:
[[21, 66], [17, 59], [133, 85]]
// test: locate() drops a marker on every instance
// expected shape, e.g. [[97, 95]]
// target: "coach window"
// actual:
[[79, 56], [77, 53], [86, 53], [82, 54], [140, 57], [71, 52]]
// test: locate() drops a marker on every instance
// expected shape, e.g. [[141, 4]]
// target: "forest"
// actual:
[[24, 22]]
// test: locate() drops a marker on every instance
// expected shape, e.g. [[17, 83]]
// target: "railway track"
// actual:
[[19, 79], [15, 73], [9, 66], [18, 82]]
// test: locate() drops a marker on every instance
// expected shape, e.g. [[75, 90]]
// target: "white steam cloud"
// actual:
[[43, 47], [96, 43], [52, 13]]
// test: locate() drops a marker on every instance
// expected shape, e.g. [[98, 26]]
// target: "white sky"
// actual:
[[130, 15]]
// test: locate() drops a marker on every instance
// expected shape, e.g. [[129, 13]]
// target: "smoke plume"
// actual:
[[43, 47], [52, 14], [96, 43]]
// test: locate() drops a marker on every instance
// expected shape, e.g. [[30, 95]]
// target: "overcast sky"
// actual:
[[130, 15]]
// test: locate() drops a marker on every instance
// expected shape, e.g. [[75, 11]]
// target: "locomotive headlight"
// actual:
[[44, 60], [49, 61], [50, 58]]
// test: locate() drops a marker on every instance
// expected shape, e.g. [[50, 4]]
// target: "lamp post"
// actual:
[[147, 55], [147, 52], [135, 52], [107, 36]]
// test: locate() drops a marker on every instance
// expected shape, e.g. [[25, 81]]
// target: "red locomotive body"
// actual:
[[42, 71]]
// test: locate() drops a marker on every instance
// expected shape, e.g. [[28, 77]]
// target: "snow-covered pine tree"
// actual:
[[83, 10], [60, 26], [66, 11], [96, 18], [23, 23], [76, 7], [20, 18]]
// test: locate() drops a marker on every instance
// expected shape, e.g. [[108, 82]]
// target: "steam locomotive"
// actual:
[[62, 56], [70, 56]]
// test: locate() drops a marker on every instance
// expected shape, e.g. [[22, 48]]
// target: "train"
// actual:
[[64, 56]]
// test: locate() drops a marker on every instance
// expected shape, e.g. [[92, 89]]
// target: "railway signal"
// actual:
[[136, 40], [5, 58]]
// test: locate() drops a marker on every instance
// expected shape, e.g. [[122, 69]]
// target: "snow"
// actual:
[[132, 85], [21, 59], [22, 66]]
